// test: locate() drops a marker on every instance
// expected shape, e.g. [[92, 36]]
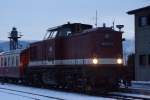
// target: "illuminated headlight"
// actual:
[[119, 61], [95, 61]]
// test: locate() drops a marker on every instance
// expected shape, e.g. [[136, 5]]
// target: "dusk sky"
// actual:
[[33, 17]]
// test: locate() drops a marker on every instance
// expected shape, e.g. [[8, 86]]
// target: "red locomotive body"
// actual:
[[77, 52]]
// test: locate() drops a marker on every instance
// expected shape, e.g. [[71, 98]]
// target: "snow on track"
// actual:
[[31, 93]]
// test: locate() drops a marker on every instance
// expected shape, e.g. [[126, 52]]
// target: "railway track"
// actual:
[[29, 95]]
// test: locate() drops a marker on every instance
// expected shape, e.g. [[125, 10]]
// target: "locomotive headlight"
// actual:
[[119, 61], [95, 61]]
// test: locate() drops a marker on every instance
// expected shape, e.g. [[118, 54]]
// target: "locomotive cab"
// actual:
[[66, 30]]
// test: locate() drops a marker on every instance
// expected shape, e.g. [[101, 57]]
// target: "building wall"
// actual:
[[142, 48]]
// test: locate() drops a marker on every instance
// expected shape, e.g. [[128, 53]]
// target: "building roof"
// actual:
[[147, 8]]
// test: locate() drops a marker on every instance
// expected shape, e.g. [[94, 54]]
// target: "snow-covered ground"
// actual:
[[17, 92], [139, 89], [141, 84], [6, 96], [32, 93], [133, 95]]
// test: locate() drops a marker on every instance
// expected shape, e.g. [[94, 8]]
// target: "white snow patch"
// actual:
[[132, 95], [46, 92], [141, 84], [7, 96]]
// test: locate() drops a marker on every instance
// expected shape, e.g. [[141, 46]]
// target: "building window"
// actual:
[[149, 59], [148, 19], [142, 60], [143, 21]]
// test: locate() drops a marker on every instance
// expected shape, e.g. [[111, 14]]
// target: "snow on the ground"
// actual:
[[141, 84], [132, 95], [6, 96], [11, 95]]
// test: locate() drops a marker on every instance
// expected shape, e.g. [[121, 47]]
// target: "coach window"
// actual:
[[17, 61], [142, 60], [5, 62], [8, 61], [12, 60], [1, 62]]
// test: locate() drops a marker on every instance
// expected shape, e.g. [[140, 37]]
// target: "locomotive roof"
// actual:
[[98, 29], [68, 25], [101, 29]]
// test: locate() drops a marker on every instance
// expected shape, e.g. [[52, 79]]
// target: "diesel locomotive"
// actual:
[[72, 55]]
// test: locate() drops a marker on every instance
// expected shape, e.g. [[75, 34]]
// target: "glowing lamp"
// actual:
[[95, 61], [119, 61]]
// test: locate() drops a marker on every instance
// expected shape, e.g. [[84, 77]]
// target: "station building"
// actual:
[[142, 43]]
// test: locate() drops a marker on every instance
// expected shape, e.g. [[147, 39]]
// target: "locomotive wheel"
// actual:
[[2, 80], [37, 80]]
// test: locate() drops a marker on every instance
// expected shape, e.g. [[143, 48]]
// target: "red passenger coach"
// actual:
[[10, 64], [77, 55]]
